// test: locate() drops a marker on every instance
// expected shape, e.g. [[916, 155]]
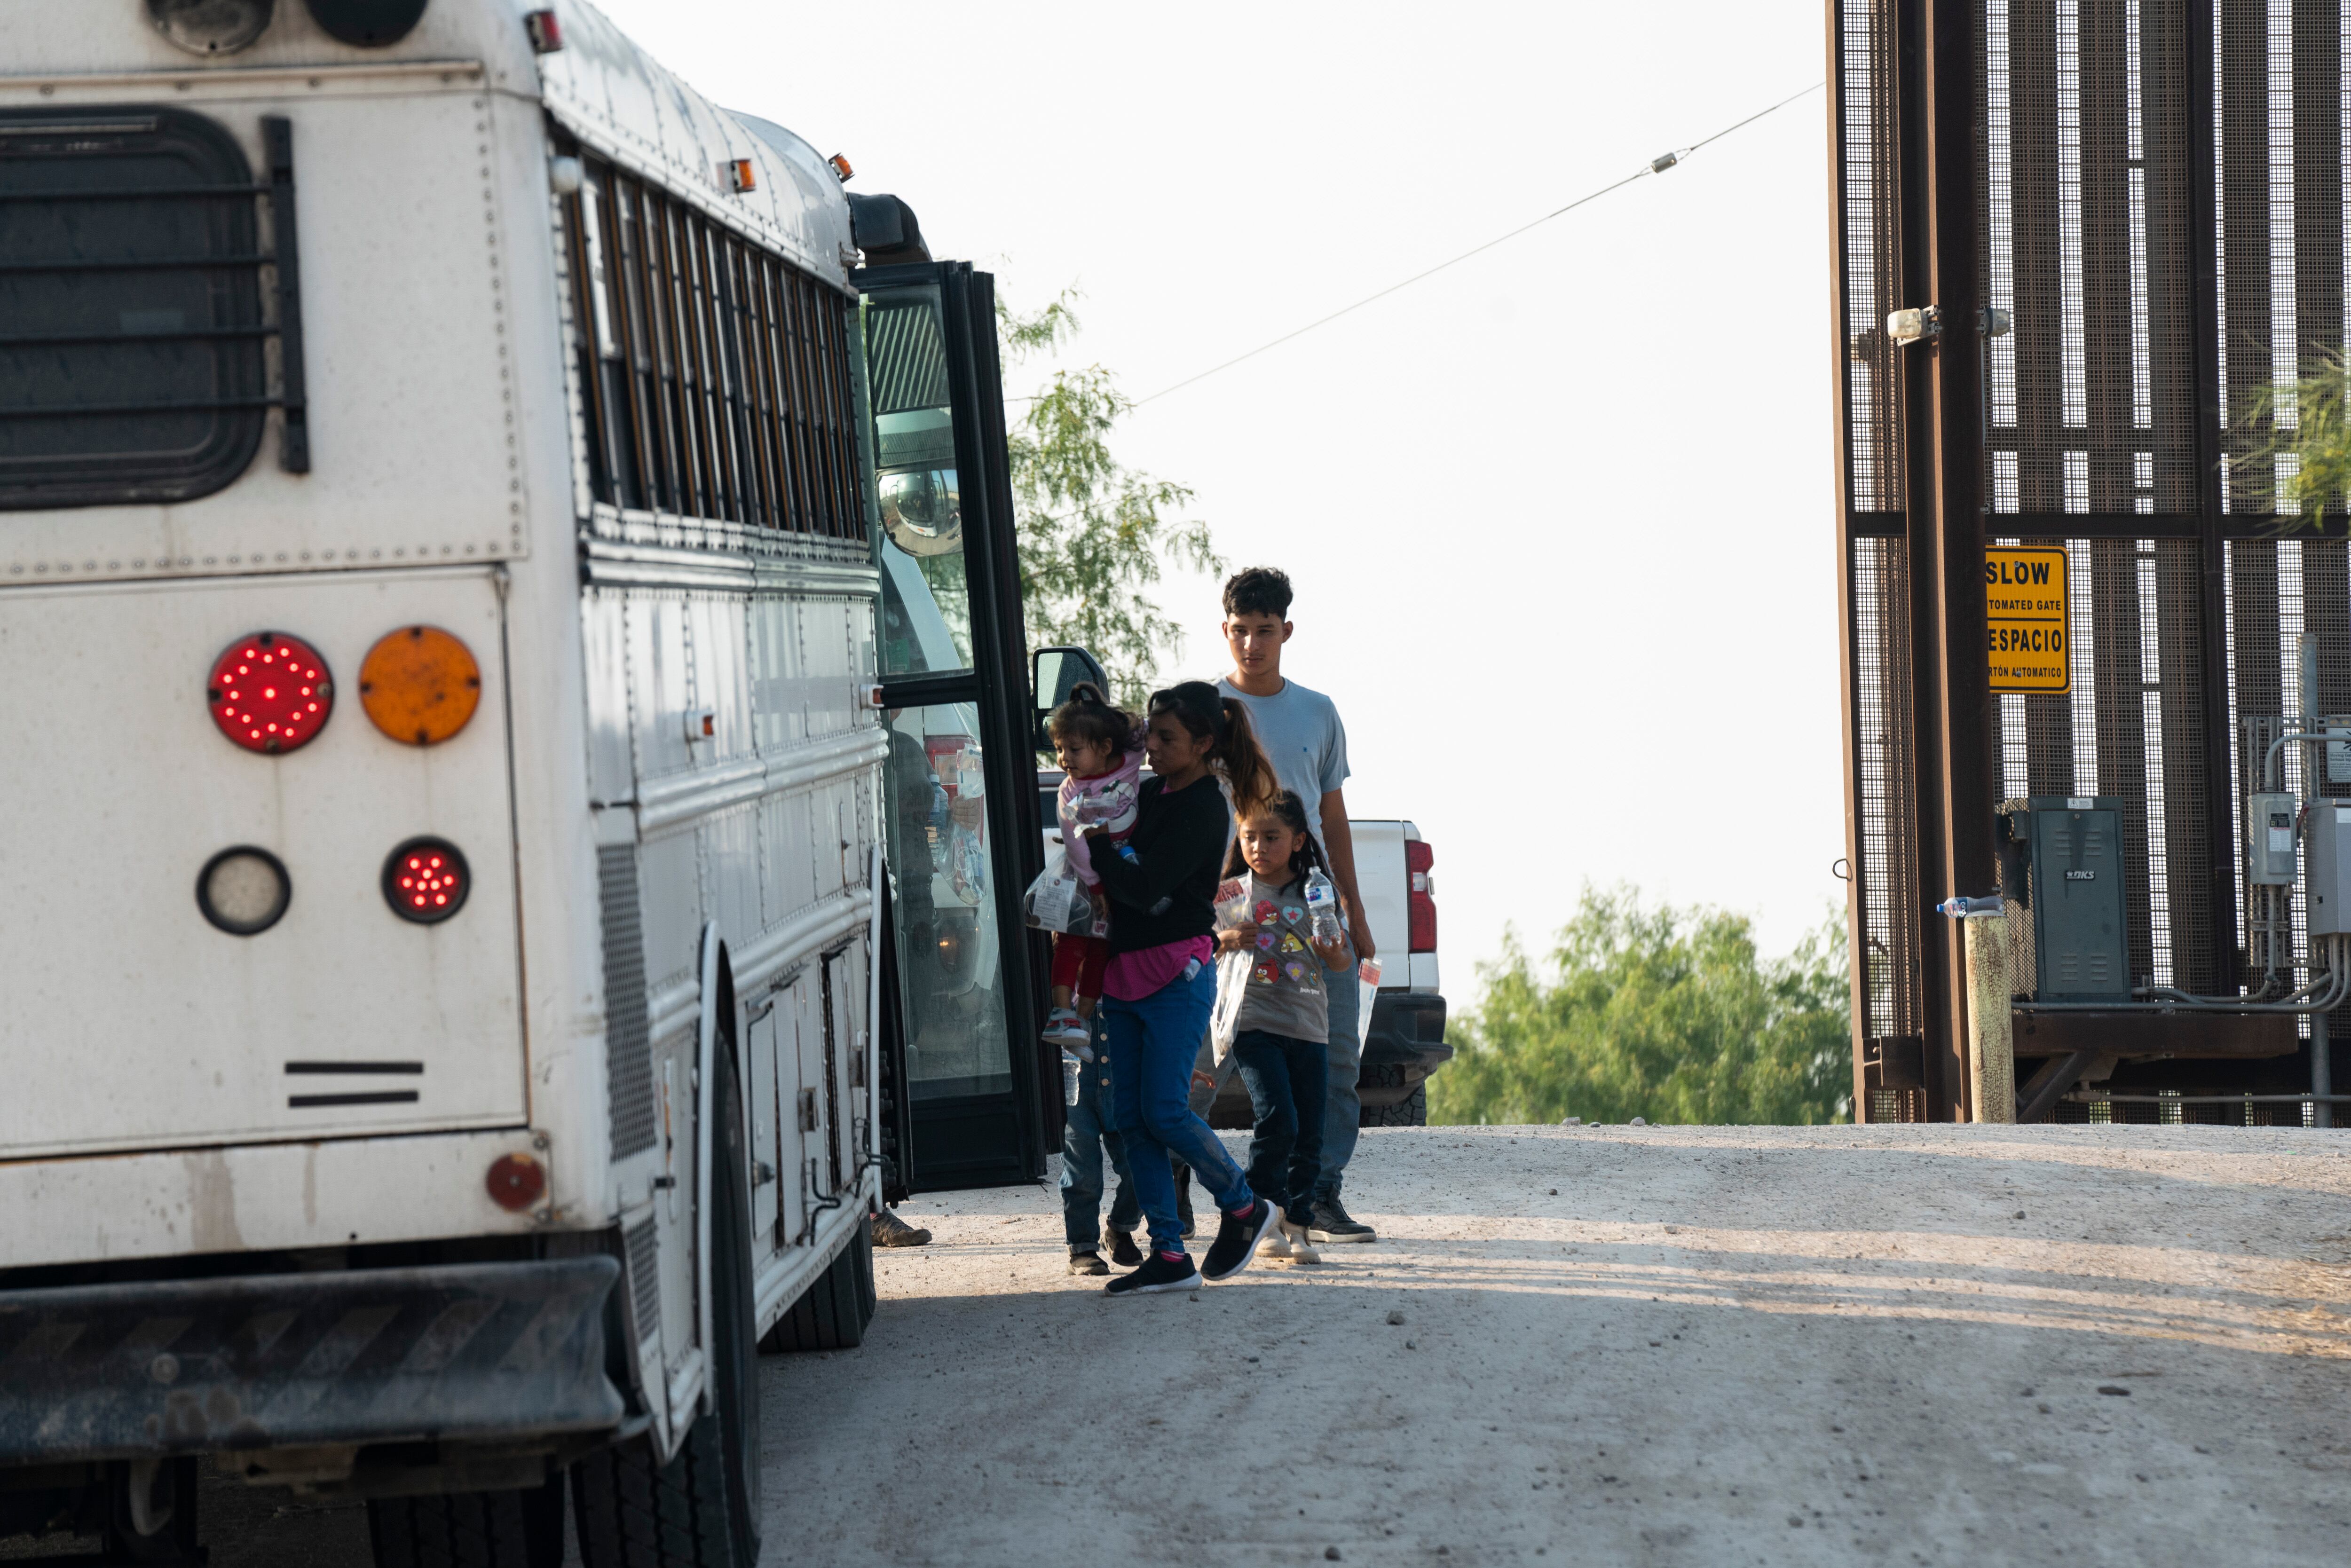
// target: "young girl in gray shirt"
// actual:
[[1279, 1027]]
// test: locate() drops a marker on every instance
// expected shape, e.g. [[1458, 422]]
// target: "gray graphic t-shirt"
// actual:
[[1284, 993]]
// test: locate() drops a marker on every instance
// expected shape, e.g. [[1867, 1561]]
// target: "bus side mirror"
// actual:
[[1055, 673]]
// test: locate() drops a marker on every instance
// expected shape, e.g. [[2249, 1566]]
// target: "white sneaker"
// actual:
[[1065, 1029]]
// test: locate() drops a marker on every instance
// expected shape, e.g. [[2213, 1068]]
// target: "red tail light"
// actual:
[[269, 692], [1421, 902]]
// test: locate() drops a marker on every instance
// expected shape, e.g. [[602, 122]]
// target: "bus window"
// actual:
[[957, 1044], [925, 598], [131, 306]]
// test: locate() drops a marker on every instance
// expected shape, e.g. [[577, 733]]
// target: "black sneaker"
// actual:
[[1158, 1273], [1332, 1223], [1236, 1239], [1122, 1251], [1088, 1262]]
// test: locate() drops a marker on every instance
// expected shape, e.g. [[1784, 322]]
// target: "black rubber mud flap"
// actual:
[[702, 1509]]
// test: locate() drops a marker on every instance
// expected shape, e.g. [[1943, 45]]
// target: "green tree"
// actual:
[[2298, 456], [1660, 1013], [1092, 533]]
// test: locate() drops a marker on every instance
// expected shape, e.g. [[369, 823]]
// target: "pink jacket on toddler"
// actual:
[[1107, 799]]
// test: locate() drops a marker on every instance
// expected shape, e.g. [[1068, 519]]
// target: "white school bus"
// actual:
[[514, 739]]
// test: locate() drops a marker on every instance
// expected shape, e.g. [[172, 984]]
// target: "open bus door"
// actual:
[[963, 1076]]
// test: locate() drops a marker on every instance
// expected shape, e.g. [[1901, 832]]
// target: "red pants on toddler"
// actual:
[[1079, 962]]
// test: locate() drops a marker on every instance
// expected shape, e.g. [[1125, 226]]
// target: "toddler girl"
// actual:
[[1279, 1029], [1103, 760]]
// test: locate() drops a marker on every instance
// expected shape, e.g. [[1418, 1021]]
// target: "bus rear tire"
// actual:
[[702, 1509], [470, 1530], [833, 1312]]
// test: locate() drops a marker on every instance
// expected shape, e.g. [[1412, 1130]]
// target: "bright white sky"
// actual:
[[1560, 518]]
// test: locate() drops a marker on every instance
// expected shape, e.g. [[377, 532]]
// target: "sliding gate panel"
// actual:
[[2158, 210]]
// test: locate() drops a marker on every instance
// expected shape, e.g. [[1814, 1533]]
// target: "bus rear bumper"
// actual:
[[463, 1353]]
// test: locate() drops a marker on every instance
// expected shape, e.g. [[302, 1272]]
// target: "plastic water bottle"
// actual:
[[1323, 906], [1072, 1070], [1960, 907]]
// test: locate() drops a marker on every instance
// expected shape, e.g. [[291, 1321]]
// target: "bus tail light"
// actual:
[[244, 889], [426, 881], [1421, 901], [270, 693], [420, 684], [516, 1181]]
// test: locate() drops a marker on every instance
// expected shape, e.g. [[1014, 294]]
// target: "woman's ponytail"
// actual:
[[1246, 766]]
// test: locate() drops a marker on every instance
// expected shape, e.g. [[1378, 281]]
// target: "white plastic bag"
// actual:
[[1058, 900], [1367, 975]]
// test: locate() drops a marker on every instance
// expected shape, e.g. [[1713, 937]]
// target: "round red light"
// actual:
[[516, 1181], [425, 879], [269, 692]]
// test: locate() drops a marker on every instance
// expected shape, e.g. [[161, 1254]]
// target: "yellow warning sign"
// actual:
[[2025, 619]]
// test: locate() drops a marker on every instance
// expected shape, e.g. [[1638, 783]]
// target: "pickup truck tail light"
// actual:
[[1421, 900]]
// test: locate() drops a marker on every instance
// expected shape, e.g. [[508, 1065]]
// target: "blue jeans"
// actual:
[[1286, 1151], [1345, 1111], [1086, 1137], [1151, 1043]]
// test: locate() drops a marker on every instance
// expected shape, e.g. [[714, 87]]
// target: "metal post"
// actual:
[[1947, 501], [1991, 1051], [2322, 1072]]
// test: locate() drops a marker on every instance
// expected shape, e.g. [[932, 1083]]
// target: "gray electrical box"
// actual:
[[2329, 887], [2074, 877], [2269, 839]]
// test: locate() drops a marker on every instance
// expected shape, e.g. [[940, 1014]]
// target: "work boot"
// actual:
[[889, 1230], [1295, 1242], [1088, 1262], [1122, 1251], [1333, 1223]]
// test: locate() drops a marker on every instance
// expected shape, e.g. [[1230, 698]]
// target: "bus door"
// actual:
[[962, 1068]]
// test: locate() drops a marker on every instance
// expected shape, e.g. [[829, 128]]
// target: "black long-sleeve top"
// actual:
[[1179, 842]]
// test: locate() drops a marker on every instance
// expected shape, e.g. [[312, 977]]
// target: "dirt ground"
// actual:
[[2126, 1345]]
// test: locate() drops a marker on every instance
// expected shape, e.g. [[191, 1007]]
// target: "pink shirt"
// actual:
[[1135, 975]]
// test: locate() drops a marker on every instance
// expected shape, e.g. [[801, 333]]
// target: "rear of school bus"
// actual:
[[307, 1162]]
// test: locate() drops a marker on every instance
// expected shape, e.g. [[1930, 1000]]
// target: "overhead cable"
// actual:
[[1657, 165]]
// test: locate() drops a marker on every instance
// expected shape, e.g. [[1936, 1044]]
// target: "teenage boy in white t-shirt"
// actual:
[[1301, 734]]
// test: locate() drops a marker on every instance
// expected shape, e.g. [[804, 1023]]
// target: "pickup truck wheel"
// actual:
[[831, 1313], [470, 1530], [1412, 1111], [702, 1509]]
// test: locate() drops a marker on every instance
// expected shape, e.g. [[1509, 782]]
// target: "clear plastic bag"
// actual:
[[1232, 903], [1058, 900]]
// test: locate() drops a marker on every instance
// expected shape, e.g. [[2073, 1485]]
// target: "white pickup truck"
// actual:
[[1408, 1038]]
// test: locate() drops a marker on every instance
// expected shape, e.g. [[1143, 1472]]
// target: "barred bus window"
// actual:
[[132, 360], [717, 374], [615, 467]]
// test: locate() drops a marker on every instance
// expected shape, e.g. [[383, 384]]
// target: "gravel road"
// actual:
[[1617, 1345]]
